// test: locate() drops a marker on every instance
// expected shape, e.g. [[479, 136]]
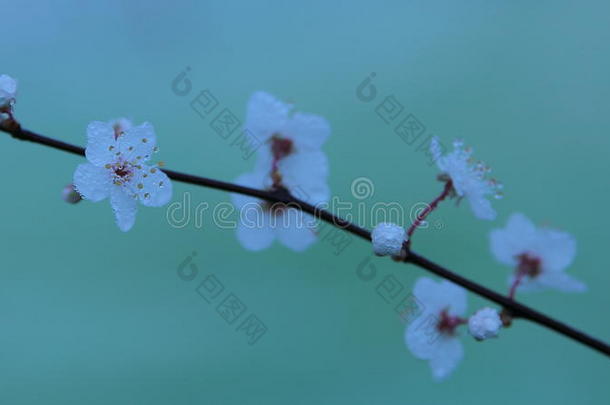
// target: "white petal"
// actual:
[[266, 115], [92, 182], [305, 175], [557, 249], [138, 143], [124, 206], [295, 229], [435, 150], [517, 238], [8, 89], [436, 297], [481, 207], [520, 225], [264, 158], [308, 131], [156, 189], [8, 85], [422, 336], [426, 291], [454, 296], [562, 282], [254, 231], [101, 145], [502, 248], [447, 357], [255, 179]]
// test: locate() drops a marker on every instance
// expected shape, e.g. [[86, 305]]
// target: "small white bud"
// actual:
[[484, 324], [70, 195], [388, 239], [8, 90]]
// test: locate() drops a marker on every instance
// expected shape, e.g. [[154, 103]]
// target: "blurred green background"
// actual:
[[91, 315]]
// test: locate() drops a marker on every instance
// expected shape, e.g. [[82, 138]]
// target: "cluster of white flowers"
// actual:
[[290, 158], [539, 257], [116, 152], [434, 337]]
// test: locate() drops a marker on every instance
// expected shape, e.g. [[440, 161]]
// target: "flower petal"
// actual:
[[253, 179], [422, 336], [92, 182], [308, 131], [426, 292], [138, 143], [156, 187], [557, 249], [8, 86], [435, 297], [124, 206], [264, 158], [254, 230], [436, 152], [562, 282], [446, 358], [454, 297], [295, 229], [305, 175], [517, 238], [266, 115], [8, 91], [481, 206], [101, 145]]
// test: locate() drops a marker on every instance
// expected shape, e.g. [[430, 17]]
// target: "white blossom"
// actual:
[[539, 256], [269, 118], [484, 324], [116, 152], [469, 178], [388, 239], [291, 158], [433, 336]]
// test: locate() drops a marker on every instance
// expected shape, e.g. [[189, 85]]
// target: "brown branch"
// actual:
[[514, 308]]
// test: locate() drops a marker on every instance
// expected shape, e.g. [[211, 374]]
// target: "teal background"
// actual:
[[92, 315]]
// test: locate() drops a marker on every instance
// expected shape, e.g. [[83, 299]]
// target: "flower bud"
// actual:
[[388, 239], [484, 324], [70, 195]]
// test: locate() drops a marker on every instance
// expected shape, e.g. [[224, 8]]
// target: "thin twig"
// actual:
[[516, 309], [429, 208]]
